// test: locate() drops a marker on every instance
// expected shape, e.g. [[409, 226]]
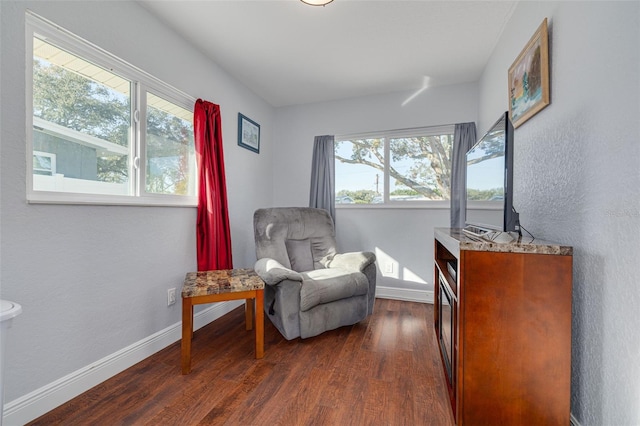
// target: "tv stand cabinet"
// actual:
[[503, 323]]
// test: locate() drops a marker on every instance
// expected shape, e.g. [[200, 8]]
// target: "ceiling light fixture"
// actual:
[[316, 2]]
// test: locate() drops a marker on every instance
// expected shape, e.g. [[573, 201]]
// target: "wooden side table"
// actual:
[[218, 286]]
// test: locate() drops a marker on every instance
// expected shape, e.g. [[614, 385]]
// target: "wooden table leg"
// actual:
[[187, 333], [259, 306], [249, 306]]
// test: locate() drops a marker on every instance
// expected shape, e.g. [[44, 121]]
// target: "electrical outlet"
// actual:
[[388, 268], [171, 296]]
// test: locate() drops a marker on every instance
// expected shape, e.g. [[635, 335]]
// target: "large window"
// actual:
[[102, 131], [402, 168]]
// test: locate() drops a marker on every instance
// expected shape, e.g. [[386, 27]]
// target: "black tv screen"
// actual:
[[489, 168]]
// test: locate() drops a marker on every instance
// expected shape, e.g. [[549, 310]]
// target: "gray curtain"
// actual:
[[323, 188], [464, 137]]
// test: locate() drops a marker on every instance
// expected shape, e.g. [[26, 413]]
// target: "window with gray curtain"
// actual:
[[322, 194], [464, 137]]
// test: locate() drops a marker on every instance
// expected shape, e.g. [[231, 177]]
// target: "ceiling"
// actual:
[[291, 53]]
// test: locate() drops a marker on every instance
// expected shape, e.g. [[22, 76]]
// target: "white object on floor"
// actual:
[[8, 311]]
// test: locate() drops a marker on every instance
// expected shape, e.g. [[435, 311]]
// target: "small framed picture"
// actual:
[[248, 134], [529, 78]]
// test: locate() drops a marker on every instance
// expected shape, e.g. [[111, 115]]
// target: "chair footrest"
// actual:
[[328, 285]]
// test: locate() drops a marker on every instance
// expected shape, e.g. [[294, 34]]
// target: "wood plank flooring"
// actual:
[[383, 371]]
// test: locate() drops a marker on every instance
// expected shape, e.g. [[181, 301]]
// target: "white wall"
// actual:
[[402, 236], [93, 279], [577, 176]]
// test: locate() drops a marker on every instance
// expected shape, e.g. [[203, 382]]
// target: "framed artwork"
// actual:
[[248, 134], [529, 78]]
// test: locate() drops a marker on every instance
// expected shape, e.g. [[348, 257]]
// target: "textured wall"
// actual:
[[577, 180]]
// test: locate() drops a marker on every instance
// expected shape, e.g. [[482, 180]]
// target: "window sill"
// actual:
[[42, 197], [439, 205]]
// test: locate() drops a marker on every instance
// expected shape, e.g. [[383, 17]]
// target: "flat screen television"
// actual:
[[489, 188]]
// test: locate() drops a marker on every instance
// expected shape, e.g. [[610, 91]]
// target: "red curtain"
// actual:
[[213, 233]]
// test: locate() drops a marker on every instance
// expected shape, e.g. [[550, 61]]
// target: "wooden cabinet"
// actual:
[[503, 322]]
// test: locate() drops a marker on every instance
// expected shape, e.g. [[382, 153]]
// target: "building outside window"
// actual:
[[102, 131]]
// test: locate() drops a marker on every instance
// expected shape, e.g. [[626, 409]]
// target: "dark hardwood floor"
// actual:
[[383, 371]]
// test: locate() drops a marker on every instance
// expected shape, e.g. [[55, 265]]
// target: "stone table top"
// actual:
[[220, 281], [455, 240]]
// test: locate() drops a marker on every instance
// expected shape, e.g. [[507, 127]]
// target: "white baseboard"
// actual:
[[48, 397], [409, 295]]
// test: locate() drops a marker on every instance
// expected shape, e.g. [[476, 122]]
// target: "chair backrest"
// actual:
[[300, 238]]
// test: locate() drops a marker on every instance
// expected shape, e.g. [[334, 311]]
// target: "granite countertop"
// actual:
[[220, 281], [455, 240]]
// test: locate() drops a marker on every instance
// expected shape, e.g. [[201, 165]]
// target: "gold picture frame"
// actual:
[[529, 78]]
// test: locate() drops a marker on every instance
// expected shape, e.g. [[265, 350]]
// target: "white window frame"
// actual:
[[142, 83], [392, 134]]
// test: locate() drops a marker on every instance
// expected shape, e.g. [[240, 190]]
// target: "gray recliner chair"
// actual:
[[311, 288]]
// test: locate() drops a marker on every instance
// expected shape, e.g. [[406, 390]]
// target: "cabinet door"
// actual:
[[517, 338]]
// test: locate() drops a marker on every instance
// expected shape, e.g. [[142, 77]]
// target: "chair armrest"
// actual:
[[354, 261], [272, 272]]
